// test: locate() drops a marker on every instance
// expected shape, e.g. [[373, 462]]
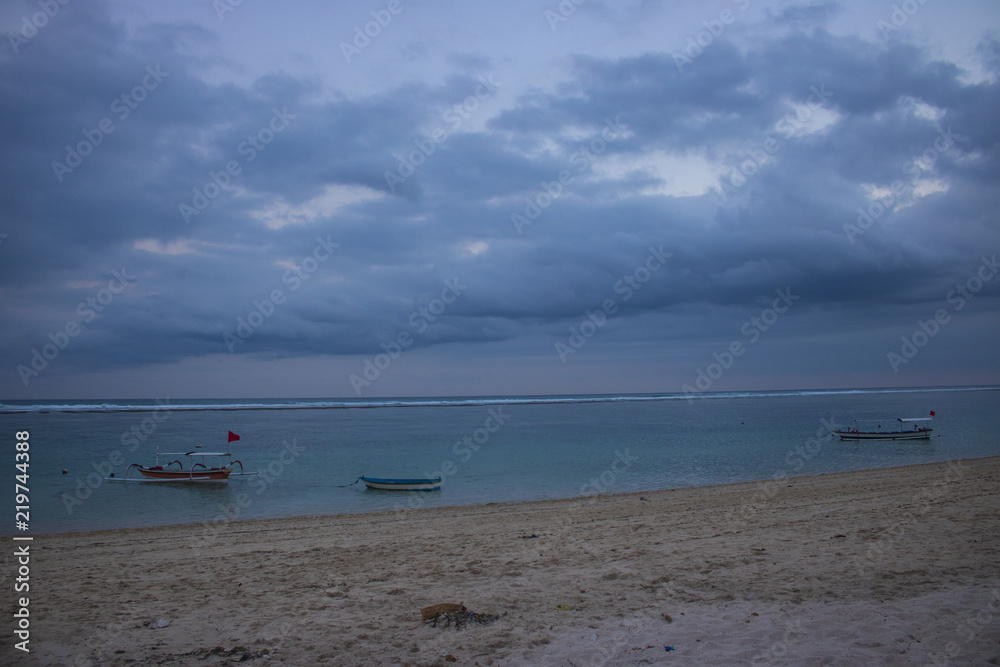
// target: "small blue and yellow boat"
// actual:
[[383, 484]]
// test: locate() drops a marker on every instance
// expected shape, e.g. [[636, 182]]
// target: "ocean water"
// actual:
[[489, 449]]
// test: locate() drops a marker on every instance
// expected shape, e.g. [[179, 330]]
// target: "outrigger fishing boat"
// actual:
[[912, 428], [402, 484], [219, 467]]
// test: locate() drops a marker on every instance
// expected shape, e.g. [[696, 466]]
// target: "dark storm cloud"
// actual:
[[451, 217], [790, 221]]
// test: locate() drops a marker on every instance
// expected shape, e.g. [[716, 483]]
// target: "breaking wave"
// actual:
[[21, 407]]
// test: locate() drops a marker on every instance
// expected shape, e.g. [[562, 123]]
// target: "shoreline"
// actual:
[[873, 565], [572, 499]]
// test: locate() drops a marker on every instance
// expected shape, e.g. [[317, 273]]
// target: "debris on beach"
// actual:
[[454, 614], [435, 610], [458, 619]]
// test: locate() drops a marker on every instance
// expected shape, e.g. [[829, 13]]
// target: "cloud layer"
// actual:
[[859, 173]]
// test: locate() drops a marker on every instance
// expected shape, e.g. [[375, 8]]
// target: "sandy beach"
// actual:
[[896, 566]]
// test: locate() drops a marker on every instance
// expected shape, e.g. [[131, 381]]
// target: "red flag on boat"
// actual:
[[233, 436], [932, 413]]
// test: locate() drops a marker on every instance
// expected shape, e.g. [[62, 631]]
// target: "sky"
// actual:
[[204, 199]]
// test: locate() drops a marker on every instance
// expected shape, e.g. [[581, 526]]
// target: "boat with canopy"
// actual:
[[195, 466], [910, 428]]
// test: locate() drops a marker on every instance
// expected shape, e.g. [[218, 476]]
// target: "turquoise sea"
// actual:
[[489, 449]]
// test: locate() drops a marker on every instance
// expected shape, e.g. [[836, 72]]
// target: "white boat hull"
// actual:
[[899, 435]]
